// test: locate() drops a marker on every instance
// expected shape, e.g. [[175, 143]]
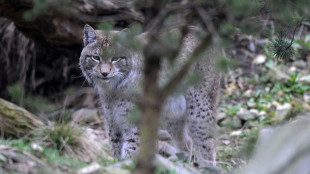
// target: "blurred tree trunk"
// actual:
[[41, 40], [60, 23]]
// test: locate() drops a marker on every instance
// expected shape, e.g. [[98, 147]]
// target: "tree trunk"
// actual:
[[16, 121], [151, 105]]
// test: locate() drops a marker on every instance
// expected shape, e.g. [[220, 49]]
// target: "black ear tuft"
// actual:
[[90, 35]]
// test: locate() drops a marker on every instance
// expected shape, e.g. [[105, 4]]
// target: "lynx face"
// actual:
[[103, 62]]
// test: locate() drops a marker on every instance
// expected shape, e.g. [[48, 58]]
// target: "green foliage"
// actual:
[[106, 26], [61, 136], [223, 64], [189, 80], [250, 137], [53, 156], [17, 93], [41, 6], [232, 110], [20, 144], [282, 47], [33, 103], [163, 171], [135, 116], [242, 8], [227, 29], [129, 167], [49, 155]]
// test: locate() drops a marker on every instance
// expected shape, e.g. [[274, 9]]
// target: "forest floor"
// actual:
[[258, 91]]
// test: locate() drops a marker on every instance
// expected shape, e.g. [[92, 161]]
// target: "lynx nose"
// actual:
[[104, 74]]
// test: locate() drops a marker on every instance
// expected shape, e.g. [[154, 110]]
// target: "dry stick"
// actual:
[[166, 12], [204, 16], [7, 148], [298, 25], [125, 16], [174, 52]]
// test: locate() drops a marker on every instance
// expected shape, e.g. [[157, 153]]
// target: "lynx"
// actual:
[[116, 73]]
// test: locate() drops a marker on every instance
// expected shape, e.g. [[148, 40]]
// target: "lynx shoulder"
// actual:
[[116, 73]]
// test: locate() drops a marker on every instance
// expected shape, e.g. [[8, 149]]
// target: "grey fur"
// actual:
[[189, 117]]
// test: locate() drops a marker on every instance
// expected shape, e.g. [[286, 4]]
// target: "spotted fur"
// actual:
[[189, 117]]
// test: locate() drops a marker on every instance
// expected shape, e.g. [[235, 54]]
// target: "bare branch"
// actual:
[[173, 83], [207, 21], [165, 12], [297, 26], [122, 16]]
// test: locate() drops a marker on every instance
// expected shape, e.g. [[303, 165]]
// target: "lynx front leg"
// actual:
[[174, 116], [115, 137], [178, 130], [131, 141]]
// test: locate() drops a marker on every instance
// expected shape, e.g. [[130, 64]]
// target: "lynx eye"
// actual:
[[95, 58], [116, 59]]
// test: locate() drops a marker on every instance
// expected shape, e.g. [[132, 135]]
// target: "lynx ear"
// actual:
[[90, 35]]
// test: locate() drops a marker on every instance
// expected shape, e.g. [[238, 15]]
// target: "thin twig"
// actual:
[[165, 12], [292, 40], [124, 16]]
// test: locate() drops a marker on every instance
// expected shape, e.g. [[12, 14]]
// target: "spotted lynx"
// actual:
[[116, 74]]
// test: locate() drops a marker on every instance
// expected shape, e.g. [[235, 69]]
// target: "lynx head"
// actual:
[[104, 64]]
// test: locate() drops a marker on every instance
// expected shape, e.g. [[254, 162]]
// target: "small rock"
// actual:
[[252, 47], [292, 70], [226, 142], [236, 133], [260, 59], [276, 75], [95, 167], [244, 114], [307, 97], [221, 116], [283, 110], [305, 80], [36, 147], [230, 122], [251, 104], [299, 64], [262, 113], [255, 112], [248, 93], [109, 170], [2, 158]]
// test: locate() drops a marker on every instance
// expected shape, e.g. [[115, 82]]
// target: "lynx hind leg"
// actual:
[[131, 141], [179, 133], [201, 123]]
